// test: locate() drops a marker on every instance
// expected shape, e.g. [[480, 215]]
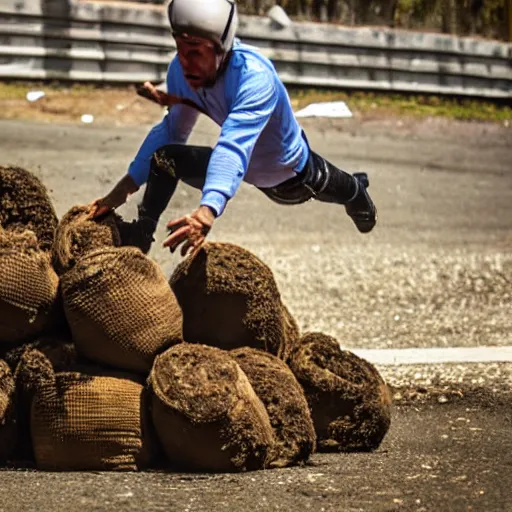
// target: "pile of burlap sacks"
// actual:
[[107, 365]]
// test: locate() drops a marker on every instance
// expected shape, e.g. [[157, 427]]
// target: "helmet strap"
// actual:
[[228, 23], [223, 63]]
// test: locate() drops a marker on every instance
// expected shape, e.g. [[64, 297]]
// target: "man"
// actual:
[[260, 142]]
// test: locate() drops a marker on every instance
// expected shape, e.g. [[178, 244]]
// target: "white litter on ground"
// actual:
[[34, 95], [325, 109], [87, 118]]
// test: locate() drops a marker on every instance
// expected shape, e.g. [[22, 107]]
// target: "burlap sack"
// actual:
[[31, 364], [7, 418], [28, 288], [120, 308], [286, 405], [230, 299], [25, 204], [206, 414], [31, 367], [60, 352], [350, 403], [77, 235], [89, 421]]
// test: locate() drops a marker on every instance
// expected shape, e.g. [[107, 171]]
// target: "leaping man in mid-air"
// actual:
[[260, 142]]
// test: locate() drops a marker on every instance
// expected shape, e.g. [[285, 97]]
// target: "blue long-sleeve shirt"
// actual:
[[260, 142]]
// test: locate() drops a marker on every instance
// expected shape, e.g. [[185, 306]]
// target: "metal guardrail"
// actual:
[[75, 40], [109, 42]]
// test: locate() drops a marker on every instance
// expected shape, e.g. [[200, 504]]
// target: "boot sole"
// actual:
[[366, 224]]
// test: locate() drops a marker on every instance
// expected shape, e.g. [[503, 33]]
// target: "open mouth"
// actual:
[[193, 78]]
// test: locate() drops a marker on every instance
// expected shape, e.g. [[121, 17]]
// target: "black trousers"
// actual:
[[319, 179]]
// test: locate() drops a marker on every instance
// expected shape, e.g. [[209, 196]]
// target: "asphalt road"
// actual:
[[455, 457], [436, 272]]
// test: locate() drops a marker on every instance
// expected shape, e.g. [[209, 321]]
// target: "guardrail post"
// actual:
[[508, 9], [56, 12]]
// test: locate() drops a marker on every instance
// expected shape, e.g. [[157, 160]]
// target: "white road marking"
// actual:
[[435, 355]]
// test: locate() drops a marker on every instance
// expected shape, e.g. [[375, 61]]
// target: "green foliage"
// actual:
[[13, 91], [464, 17]]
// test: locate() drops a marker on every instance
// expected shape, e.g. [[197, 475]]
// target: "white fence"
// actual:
[[119, 42]]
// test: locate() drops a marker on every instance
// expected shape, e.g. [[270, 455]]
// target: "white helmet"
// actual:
[[216, 20]]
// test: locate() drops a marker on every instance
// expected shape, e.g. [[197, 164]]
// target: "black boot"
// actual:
[[160, 187], [361, 208], [138, 233], [169, 164], [325, 182], [333, 185]]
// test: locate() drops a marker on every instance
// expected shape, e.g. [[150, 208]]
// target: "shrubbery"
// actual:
[[463, 17]]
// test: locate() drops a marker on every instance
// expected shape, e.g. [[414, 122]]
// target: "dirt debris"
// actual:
[[25, 204], [286, 405], [207, 415], [77, 234], [350, 402], [230, 299]]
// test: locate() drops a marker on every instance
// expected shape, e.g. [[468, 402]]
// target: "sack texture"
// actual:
[[120, 308], [350, 403], [32, 364], [87, 422], [230, 299], [206, 413], [28, 288], [7, 417], [77, 235], [25, 204], [286, 405]]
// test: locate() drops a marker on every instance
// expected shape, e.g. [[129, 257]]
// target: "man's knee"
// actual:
[[181, 161], [165, 160]]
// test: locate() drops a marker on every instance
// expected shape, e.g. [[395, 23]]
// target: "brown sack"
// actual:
[[28, 288], [87, 422], [230, 299], [286, 405], [31, 364], [7, 425], [77, 235], [120, 309], [350, 403], [25, 204], [31, 367], [60, 352], [206, 414]]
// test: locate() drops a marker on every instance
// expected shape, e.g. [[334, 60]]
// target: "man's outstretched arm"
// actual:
[[174, 128]]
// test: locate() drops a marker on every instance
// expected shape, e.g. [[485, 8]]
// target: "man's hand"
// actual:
[[98, 208], [116, 197], [191, 230], [149, 91]]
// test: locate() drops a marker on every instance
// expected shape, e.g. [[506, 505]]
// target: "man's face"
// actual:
[[199, 59]]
